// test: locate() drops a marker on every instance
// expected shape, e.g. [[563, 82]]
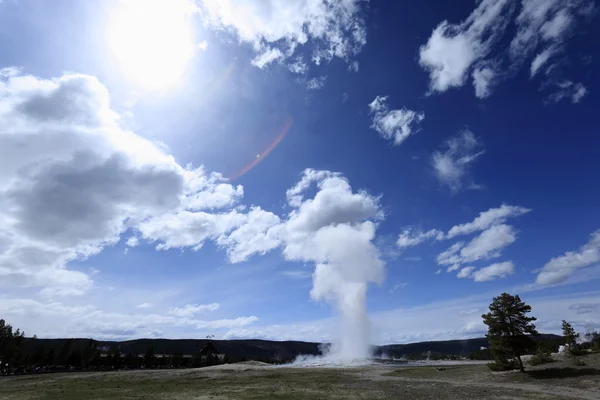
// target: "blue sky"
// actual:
[[180, 170]]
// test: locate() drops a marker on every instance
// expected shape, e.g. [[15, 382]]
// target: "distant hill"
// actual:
[[239, 350]]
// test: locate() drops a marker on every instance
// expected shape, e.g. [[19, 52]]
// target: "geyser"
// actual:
[[335, 230]]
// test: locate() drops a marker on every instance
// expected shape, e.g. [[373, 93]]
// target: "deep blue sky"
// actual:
[[539, 155]]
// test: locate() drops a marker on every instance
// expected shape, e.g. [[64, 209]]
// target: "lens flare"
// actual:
[[260, 156]]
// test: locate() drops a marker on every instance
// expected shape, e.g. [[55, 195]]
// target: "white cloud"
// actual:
[[585, 308], [298, 66], [72, 180], [395, 125], [439, 271], [226, 323], [335, 231], [309, 176], [496, 236], [397, 286], [494, 271], [542, 59], [450, 256], [188, 229], [567, 90], [189, 310], [483, 79], [254, 236], [144, 305], [407, 239], [453, 164], [488, 244], [297, 274], [560, 268], [132, 241], [486, 219], [316, 83], [442, 320], [465, 272], [455, 50], [275, 28], [266, 57], [54, 319]]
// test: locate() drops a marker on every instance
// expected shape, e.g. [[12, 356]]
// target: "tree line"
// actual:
[[19, 354], [511, 331]]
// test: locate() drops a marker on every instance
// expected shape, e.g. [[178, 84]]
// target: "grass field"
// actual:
[[558, 380]]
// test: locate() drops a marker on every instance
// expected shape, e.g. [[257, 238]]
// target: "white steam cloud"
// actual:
[[335, 231]]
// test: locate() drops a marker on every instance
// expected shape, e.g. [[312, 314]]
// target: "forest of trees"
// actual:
[[27, 355]]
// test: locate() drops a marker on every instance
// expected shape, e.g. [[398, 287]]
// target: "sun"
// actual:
[[151, 41]]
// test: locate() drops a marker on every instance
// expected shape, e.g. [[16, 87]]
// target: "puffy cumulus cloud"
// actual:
[[55, 319], [394, 125], [72, 180], [487, 219], [543, 28], [560, 268], [494, 271], [452, 165], [254, 236], [407, 239], [189, 310], [276, 28], [186, 228]]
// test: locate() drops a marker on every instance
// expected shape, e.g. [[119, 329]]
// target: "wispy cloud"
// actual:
[[189, 310], [560, 268], [455, 51], [398, 286]]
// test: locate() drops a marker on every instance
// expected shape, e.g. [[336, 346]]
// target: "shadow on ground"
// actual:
[[556, 373]]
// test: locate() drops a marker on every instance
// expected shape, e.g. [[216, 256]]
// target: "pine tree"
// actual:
[[508, 326], [569, 333]]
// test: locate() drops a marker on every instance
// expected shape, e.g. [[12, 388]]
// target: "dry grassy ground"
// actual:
[[558, 380]]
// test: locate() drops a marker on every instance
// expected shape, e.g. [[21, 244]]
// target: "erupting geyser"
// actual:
[[340, 243]]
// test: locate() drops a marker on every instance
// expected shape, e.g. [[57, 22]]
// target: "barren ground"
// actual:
[[557, 380]]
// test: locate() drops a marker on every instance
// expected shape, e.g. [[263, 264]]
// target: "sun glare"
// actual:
[[151, 41]]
